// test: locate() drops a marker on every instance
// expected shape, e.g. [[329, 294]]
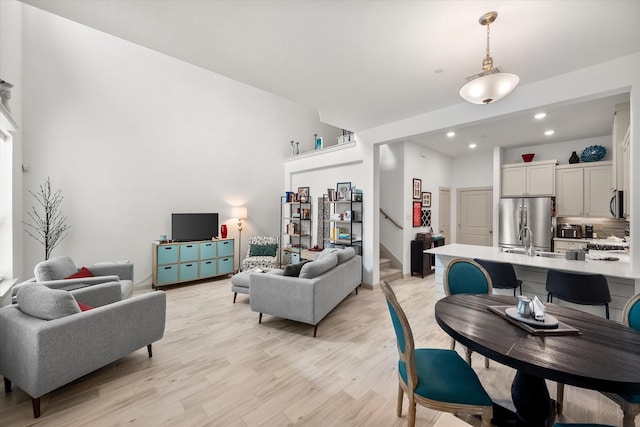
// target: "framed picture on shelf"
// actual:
[[417, 188], [303, 194], [417, 214], [426, 199], [343, 189]]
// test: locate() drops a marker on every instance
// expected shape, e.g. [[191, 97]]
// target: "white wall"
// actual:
[[434, 169], [130, 136], [391, 198]]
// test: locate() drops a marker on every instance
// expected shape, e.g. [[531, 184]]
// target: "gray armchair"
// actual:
[[53, 273], [74, 342]]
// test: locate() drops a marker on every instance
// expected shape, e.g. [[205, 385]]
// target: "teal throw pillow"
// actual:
[[264, 250], [293, 270]]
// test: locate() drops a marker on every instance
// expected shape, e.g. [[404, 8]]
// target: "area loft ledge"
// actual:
[[329, 149]]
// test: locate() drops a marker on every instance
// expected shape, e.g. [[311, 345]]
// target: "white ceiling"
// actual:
[[362, 64]]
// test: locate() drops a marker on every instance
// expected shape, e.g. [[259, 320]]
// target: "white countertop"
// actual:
[[620, 268]]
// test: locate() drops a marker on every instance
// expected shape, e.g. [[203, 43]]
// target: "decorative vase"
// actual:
[[574, 158], [223, 231], [297, 148], [292, 152]]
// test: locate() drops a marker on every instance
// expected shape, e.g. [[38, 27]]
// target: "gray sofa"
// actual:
[[46, 341], [54, 272], [320, 287]]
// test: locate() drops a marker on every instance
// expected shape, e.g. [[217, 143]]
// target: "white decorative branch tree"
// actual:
[[48, 227]]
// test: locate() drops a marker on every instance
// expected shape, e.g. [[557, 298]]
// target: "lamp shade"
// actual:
[[239, 212], [489, 88]]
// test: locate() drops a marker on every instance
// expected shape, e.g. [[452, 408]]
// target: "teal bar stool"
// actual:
[[435, 378]]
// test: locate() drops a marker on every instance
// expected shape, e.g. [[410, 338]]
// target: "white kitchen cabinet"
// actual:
[[584, 190], [569, 191], [561, 245], [530, 179]]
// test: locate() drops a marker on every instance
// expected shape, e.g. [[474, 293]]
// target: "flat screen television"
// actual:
[[187, 227]]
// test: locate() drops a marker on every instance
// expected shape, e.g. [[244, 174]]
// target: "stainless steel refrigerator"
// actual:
[[534, 212]]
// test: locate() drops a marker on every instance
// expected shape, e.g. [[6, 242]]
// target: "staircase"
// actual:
[[389, 273]]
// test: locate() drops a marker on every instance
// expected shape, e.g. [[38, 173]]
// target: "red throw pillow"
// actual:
[[84, 307], [83, 272]]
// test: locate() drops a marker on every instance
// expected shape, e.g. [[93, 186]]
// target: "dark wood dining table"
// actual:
[[604, 356]]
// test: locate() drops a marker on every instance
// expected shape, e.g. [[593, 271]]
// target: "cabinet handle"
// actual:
[[189, 265], [189, 246], [208, 262], [168, 268], [168, 248]]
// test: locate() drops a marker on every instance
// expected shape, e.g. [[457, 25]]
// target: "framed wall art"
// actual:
[[426, 217], [417, 214], [343, 189], [426, 199], [417, 188], [303, 194]]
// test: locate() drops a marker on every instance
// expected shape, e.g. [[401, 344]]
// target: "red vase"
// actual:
[[223, 231]]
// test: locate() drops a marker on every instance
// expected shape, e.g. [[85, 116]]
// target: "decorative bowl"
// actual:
[[593, 153], [528, 157]]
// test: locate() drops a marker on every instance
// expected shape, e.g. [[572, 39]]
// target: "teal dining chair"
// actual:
[[630, 403], [435, 378], [465, 276]]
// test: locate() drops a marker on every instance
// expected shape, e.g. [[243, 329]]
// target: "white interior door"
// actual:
[[475, 216], [444, 213]]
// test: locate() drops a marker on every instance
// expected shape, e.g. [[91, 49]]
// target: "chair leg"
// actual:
[[453, 344], [606, 307], [487, 415], [486, 362], [559, 397], [411, 419], [628, 419], [7, 385], [315, 330], [400, 397], [468, 354], [260, 318], [149, 350], [35, 403], [235, 294]]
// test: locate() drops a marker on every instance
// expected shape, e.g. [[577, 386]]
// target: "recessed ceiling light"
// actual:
[[540, 116], [473, 145], [549, 132], [451, 134]]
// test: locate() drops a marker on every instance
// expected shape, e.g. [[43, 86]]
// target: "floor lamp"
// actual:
[[239, 212]]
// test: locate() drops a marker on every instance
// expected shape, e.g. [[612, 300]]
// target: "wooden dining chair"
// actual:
[[630, 403], [577, 288], [435, 378], [464, 276], [502, 274]]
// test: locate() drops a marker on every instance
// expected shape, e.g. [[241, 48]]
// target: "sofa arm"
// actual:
[[124, 270], [99, 295], [283, 296], [67, 283], [39, 356]]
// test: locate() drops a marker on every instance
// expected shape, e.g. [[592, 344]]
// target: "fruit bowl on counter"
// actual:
[[528, 157]]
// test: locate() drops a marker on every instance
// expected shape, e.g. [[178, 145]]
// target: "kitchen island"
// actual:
[[623, 283]]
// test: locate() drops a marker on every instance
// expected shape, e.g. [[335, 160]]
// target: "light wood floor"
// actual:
[[217, 366]]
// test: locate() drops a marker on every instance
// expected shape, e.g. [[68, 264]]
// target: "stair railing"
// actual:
[[386, 216]]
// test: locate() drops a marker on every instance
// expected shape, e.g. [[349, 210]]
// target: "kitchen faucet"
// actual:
[[527, 236]]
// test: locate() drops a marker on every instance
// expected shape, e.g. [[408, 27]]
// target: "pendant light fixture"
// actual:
[[492, 84]]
